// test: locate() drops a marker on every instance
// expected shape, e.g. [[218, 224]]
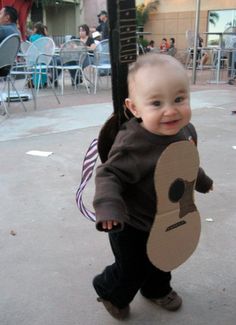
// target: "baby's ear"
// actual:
[[131, 106]]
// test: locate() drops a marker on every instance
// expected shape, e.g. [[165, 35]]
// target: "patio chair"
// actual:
[[9, 48], [101, 64], [39, 63], [24, 45], [73, 54]]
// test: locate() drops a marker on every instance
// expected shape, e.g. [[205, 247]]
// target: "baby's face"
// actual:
[[160, 97]]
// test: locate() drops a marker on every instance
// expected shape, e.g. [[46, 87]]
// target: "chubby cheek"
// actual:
[[151, 123], [187, 115]]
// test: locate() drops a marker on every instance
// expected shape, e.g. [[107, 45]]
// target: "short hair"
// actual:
[[152, 60], [102, 13], [12, 13], [85, 28]]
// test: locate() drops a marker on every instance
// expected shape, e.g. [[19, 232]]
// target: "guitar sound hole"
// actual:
[[176, 190]]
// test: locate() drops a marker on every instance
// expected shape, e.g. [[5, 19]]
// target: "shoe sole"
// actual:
[[114, 311]]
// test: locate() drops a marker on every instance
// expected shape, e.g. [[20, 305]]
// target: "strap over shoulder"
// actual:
[[192, 134]]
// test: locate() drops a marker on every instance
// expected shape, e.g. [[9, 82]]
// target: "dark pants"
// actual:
[[86, 63], [131, 271]]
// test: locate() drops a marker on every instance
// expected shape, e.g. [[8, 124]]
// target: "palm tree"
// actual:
[[143, 11], [213, 17]]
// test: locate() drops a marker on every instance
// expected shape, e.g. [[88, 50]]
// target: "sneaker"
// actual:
[[170, 302], [113, 310]]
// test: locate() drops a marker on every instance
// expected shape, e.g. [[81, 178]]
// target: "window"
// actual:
[[220, 21]]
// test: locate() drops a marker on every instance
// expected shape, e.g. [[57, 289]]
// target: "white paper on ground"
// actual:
[[39, 153], [234, 147], [209, 220]]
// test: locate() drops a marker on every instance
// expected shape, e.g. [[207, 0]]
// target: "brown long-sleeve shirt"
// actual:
[[125, 182]]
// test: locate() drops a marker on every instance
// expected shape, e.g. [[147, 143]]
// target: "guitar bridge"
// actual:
[[176, 225]]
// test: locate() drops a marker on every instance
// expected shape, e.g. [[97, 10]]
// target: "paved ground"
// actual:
[[49, 253]]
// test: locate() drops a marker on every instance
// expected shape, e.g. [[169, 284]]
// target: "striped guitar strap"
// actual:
[[87, 172]]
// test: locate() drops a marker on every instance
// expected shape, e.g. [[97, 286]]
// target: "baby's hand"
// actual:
[[108, 225], [211, 189]]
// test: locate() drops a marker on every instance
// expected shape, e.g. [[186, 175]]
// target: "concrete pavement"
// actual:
[[50, 253]]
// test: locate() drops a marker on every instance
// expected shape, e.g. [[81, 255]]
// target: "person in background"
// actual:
[[150, 46], [8, 22], [103, 26], [38, 32], [84, 36], [172, 49], [202, 57], [164, 46], [8, 26]]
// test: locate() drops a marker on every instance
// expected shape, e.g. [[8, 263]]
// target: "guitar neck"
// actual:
[[122, 40]]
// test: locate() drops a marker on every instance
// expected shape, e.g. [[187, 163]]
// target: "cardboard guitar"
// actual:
[[176, 228]]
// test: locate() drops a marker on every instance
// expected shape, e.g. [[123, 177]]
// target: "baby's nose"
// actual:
[[169, 109]]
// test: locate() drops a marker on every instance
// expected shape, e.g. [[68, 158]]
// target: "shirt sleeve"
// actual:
[[204, 183], [111, 180], [90, 41]]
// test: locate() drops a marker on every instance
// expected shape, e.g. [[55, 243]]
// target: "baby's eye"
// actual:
[[156, 103], [179, 99]]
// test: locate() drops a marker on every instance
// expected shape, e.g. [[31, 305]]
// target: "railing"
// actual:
[[221, 62], [59, 39]]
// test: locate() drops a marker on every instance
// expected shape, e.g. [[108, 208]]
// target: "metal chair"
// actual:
[[8, 52], [24, 45], [38, 63], [101, 65], [73, 54]]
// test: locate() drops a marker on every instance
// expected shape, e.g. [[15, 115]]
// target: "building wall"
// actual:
[[65, 18], [61, 19], [174, 24], [91, 9], [175, 17], [190, 5]]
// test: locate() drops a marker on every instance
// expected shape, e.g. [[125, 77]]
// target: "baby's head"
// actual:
[[159, 93]]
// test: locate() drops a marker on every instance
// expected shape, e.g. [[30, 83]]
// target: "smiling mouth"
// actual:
[[170, 122]]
